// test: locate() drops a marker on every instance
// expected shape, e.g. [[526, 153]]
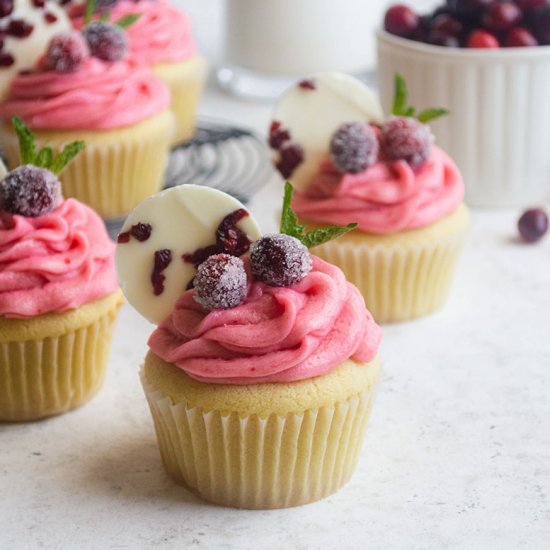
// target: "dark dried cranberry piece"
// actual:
[[29, 191], [106, 40], [6, 7], [279, 260], [277, 135], [39, 3], [307, 84], [220, 282], [162, 261], [6, 59], [354, 147], [291, 156], [19, 28], [50, 18], [141, 231], [123, 237], [405, 138]]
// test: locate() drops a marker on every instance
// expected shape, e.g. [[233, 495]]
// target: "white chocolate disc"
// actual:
[[182, 219], [312, 116]]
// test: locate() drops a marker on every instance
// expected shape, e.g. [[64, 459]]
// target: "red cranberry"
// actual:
[[529, 5], [19, 28], [354, 147], [66, 52], [401, 20], [443, 39], [106, 40], [405, 138], [501, 17], [448, 25], [6, 7], [541, 24], [6, 59], [533, 224], [482, 39], [519, 37], [468, 8]]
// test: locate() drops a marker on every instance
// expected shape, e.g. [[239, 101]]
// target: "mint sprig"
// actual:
[[89, 11], [127, 20], [43, 158], [124, 22], [400, 107], [290, 225]]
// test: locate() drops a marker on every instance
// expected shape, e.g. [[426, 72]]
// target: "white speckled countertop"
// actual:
[[457, 454]]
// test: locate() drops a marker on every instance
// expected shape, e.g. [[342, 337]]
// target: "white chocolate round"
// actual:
[[27, 50], [183, 219], [312, 116]]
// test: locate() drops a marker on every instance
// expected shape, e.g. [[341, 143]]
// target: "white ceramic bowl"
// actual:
[[498, 130]]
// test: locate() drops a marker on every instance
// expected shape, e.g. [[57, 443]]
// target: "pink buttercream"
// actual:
[[54, 262], [161, 34], [386, 197], [278, 335], [99, 96]]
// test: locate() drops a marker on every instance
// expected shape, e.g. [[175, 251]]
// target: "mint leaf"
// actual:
[[104, 18], [68, 154], [44, 158], [409, 112], [400, 96], [289, 220], [320, 236], [431, 114], [127, 20], [27, 146], [89, 11]]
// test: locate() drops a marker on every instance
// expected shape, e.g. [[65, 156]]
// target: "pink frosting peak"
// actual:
[[54, 262], [99, 96], [386, 197], [279, 334], [161, 34]]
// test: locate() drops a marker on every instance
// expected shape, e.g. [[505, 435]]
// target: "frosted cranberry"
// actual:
[[501, 17], [162, 260], [482, 39], [279, 260], [66, 52], [354, 147], [277, 135], [6, 7], [19, 28], [220, 282], [401, 20], [405, 138], [448, 25], [519, 38], [533, 224], [29, 191], [106, 41], [443, 39], [6, 59], [291, 156]]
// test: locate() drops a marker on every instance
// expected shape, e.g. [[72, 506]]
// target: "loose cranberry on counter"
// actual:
[[482, 39], [519, 38], [401, 20], [533, 224]]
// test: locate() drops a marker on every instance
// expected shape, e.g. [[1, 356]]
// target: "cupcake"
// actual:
[[85, 88], [161, 38], [404, 192], [261, 376], [58, 290]]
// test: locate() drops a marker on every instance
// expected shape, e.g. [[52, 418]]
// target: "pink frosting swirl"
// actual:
[[278, 335], [99, 96], [386, 197], [54, 262], [161, 34]]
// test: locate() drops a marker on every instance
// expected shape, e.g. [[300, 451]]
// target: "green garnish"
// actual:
[[127, 20], [124, 22], [89, 11], [290, 225], [400, 107], [43, 158]]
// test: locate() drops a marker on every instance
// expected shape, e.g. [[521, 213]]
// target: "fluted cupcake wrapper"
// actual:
[[256, 462], [117, 170], [186, 81], [40, 378]]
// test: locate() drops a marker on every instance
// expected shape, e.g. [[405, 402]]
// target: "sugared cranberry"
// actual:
[[447, 25], [533, 224], [401, 20], [106, 41], [501, 17], [482, 39], [6, 7], [443, 39], [66, 52], [279, 260], [220, 282], [19, 28], [354, 147], [291, 156], [307, 84], [6, 59], [277, 135], [519, 38], [162, 260], [405, 138], [29, 191]]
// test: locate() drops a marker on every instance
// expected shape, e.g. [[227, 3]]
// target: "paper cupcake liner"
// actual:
[[186, 82], [402, 280], [255, 462], [117, 170], [40, 378]]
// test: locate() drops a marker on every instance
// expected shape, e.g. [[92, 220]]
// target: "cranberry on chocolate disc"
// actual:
[[106, 41], [19, 28], [162, 259], [220, 282], [354, 147], [6, 7], [279, 260], [401, 20], [405, 138], [519, 38], [6, 59], [277, 135], [533, 224], [291, 156], [29, 191], [66, 52], [501, 16], [307, 84], [482, 39]]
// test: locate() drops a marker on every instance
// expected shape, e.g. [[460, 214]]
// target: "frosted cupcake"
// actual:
[[261, 376], [85, 89], [405, 193], [161, 38], [58, 291]]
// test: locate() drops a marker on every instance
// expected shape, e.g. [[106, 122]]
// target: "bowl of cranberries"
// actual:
[[488, 63]]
